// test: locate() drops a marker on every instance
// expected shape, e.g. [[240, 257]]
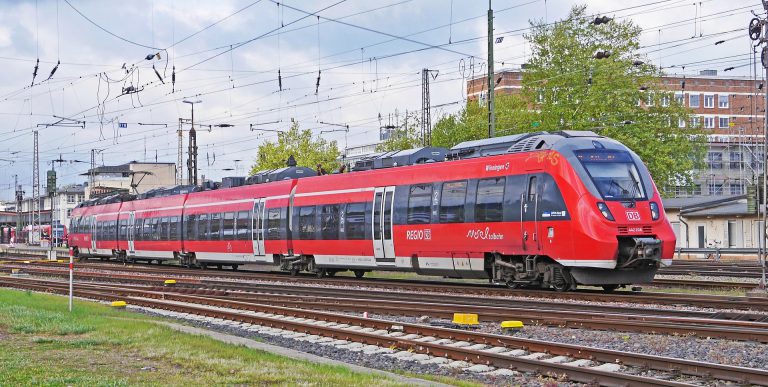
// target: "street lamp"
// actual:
[[192, 151]]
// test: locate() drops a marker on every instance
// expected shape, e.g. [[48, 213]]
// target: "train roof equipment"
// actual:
[[163, 192], [523, 142], [401, 158], [285, 173]]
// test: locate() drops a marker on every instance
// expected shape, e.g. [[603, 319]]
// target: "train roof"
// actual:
[[516, 143], [523, 142]]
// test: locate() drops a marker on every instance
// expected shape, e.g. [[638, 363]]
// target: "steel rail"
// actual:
[[707, 301], [414, 305], [687, 367]]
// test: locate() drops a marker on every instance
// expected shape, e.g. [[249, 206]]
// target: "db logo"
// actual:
[[633, 215]]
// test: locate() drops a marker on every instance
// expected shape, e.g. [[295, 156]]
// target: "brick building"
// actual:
[[730, 109]]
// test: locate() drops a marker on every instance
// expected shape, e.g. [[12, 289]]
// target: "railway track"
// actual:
[[704, 301], [729, 325], [480, 348]]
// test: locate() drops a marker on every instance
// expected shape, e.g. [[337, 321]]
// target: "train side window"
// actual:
[[307, 222], [215, 226], [164, 228], [420, 203], [202, 227], [355, 222], [452, 202], [137, 225], [173, 233], [228, 229], [329, 222], [149, 229], [273, 223], [191, 226], [123, 235], [513, 194], [551, 201], [489, 201], [532, 189], [243, 225]]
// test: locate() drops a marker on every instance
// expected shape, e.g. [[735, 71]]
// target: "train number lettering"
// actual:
[[633, 215]]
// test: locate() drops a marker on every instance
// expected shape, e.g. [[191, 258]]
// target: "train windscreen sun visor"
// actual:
[[614, 173]]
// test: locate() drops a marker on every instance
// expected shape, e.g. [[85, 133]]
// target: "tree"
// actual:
[[308, 151], [590, 76], [405, 136], [566, 87], [471, 123]]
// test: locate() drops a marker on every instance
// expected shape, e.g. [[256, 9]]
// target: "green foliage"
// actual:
[[405, 136], [573, 90], [308, 151], [566, 88], [471, 123]]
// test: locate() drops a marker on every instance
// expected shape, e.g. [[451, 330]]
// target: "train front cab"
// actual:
[[623, 235]]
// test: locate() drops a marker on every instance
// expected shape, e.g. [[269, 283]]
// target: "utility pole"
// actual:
[[426, 116], [51, 188], [180, 154], [35, 188], [491, 112], [758, 32], [192, 157], [19, 200]]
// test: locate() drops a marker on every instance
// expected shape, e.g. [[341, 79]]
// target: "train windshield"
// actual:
[[614, 173]]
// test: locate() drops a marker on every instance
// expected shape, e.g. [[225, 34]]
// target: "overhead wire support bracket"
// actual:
[[65, 123]]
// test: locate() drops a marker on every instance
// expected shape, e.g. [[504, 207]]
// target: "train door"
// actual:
[[258, 227], [383, 206], [131, 232], [529, 215], [94, 233]]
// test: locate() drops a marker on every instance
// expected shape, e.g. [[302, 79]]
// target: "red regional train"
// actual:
[[531, 210]]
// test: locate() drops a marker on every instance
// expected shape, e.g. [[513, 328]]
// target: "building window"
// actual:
[[69, 212], [70, 198], [709, 122], [693, 100], [681, 122], [757, 161], [665, 100], [722, 101], [724, 122], [680, 99], [736, 189], [709, 101], [649, 99], [694, 121], [735, 159], [716, 189], [715, 160]]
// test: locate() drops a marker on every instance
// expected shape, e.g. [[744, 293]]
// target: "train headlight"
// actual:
[[654, 211], [605, 211]]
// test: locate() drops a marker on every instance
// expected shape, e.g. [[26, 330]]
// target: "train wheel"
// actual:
[[234, 267], [359, 273], [294, 271], [609, 288], [330, 273], [561, 286], [204, 266], [514, 285], [321, 273]]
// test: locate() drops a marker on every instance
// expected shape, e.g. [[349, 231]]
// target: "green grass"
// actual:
[[42, 344]]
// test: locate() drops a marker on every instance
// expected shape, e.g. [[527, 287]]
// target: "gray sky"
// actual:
[[228, 53]]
